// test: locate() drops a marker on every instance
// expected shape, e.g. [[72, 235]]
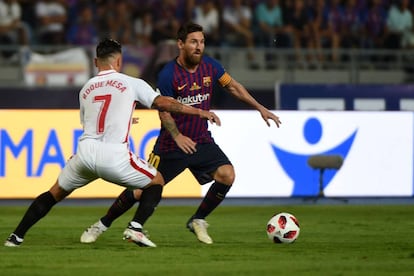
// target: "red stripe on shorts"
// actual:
[[138, 168]]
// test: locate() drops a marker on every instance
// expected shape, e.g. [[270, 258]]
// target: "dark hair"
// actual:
[[108, 47], [186, 29]]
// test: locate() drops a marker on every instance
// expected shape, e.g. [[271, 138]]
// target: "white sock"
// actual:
[[102, 226], [135, 224]]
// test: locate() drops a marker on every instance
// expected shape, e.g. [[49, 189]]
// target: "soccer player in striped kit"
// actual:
[[107, 102], [184, 141]]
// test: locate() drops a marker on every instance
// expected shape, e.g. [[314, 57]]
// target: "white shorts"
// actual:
[[112, 162]]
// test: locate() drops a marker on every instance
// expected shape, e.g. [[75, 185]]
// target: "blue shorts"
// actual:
[[202, 163]]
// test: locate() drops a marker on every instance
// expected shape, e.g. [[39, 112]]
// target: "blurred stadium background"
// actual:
[[328, 73]]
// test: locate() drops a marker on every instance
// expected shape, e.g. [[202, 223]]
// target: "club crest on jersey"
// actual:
[[195, 86], [207, 81]]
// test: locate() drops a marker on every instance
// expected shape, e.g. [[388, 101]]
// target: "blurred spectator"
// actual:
[[253, 3], [207, 15], [326, 22], [299, 24], [83, 31], [51, 21], [29, 16], [399, 26], [188, 14], [352, 25], [374, 26], [114, 19], [318, 22], [271, 28], [143, 26], [72, 10], [105, 19], [123, 23], [166, 22], [237, 21], [13, 31], [335, 18]]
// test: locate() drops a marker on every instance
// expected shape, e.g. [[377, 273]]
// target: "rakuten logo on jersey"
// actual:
[[192, 100]]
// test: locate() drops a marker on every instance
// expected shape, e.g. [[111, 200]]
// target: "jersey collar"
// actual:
[[106, 72]]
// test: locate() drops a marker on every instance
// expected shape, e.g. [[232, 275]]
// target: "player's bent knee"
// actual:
[[225, 174], [158, 179], [137, 193]]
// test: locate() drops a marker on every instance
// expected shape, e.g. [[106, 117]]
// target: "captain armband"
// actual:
[[225, 79]]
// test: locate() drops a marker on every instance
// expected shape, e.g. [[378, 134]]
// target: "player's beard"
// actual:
[[193, 60]]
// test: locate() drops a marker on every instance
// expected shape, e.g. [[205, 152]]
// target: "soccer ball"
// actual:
[[283, 228]]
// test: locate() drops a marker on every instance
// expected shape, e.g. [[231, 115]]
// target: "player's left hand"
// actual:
[[267, 115], [211, 116]]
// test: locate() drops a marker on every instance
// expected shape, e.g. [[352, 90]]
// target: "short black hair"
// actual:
[[186, 29], [108, 47]]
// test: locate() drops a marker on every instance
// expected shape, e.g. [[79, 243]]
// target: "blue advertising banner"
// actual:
[[392, 96]]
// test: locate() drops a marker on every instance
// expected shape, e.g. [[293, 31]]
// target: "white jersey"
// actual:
[[107, 102]]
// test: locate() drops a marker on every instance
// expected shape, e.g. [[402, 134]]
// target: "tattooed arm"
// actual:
[[163, 103], [183, 142]]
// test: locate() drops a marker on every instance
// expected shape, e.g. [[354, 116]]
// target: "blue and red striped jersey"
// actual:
[[195, 89]]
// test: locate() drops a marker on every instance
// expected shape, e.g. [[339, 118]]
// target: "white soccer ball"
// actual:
[[283, 228]]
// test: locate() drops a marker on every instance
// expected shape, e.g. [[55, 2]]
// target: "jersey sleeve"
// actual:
[[144, 93], [222, 76]]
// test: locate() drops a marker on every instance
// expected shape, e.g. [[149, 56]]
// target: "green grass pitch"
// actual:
[[334, 240]]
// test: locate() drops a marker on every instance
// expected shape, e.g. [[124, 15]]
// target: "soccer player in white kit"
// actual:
[[107, 102]]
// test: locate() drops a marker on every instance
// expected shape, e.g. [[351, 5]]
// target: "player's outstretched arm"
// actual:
[[241, 93], [164, 103]]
